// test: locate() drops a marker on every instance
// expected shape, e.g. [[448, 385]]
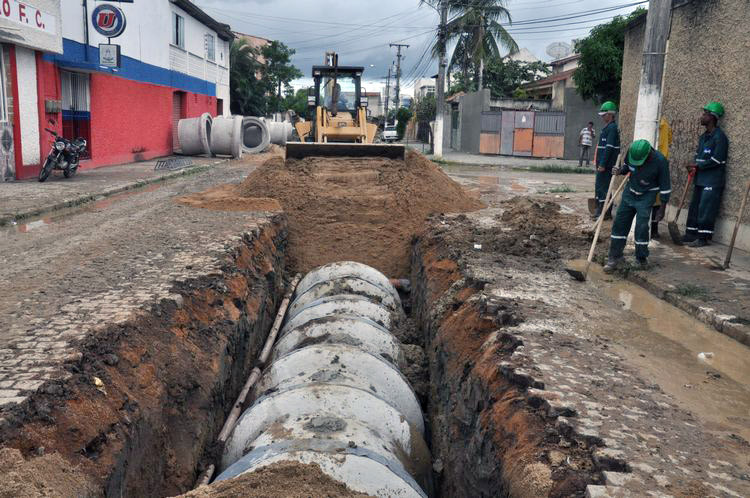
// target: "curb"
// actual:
[[84, 199], [720, 322]]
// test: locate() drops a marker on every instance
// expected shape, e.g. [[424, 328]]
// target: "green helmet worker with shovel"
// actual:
[[606, 155], [710, 171], [649, 175]]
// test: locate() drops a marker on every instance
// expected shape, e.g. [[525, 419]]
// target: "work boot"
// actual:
[[687, 239], [641, 263], [612, 264], [655, 235], [698, 243]]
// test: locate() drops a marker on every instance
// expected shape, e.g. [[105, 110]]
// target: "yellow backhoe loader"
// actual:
[[337, 117]]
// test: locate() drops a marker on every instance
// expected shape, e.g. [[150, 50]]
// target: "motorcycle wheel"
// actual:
[[49, 165], [70, 172]]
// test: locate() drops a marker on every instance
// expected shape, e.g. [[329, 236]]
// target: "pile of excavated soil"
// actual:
[[226, 198], [48, 476], [360, 209], [283, 479]]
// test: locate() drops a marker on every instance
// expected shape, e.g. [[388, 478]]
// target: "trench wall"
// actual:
[[167, 379]]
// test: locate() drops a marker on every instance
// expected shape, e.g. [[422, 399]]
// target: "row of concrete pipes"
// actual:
[[229, 136], [333, 394]]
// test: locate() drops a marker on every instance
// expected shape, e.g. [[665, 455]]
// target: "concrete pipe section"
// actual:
[[279, 131], [333, 394], [255, 136], [194, 135], [226, 136]]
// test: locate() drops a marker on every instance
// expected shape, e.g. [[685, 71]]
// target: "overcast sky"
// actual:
[[360, 31]]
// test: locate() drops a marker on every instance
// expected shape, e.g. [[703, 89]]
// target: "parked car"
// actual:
[[390, 134]]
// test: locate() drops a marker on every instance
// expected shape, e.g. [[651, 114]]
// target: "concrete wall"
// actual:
[[33, 24], [708, 56], [520, 105], [578, 113], [471, 107]]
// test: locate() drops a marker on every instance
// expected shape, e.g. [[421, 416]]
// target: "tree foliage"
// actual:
[[425, 109], [599, 70], [502, 76], [258, 77], [403, 115], [296, 101]]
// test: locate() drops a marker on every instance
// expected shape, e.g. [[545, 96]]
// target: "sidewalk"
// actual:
[[27, 198], [452, 156]]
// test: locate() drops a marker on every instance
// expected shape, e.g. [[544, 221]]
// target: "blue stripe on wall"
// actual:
[[74, 57]]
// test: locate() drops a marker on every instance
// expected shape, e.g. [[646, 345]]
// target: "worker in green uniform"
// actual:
[[710, 168], [606, 156], [649, 175]]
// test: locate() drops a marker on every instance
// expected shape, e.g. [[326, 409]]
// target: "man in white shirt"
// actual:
[[586, 140]]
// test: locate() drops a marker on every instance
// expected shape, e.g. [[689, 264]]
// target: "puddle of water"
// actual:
[[707, 372]]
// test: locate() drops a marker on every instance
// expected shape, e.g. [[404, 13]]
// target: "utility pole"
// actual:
[[387, 94], [437, 135], [398, 71], [654, 59]]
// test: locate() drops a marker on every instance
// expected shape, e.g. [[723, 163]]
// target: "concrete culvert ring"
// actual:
[[255, 135], [226, 136], [194, 135]]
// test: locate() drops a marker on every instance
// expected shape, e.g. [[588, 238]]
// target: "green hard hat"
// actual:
[[638, 152], [608, 106], [714, 108]]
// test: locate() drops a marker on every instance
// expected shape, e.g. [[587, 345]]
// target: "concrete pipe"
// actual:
[[346, 269], [279, 131], [333, 394], [194, 135], [226, 136], [346, 285], [351, 331], [344, 365], [344, 305], [255, 136]]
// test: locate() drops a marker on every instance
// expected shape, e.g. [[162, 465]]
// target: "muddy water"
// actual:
[[705, 371]]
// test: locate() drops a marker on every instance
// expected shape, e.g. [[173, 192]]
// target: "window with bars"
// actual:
[[210, 47]]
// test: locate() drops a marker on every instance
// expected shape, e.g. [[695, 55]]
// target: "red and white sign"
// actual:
[[27, 15]]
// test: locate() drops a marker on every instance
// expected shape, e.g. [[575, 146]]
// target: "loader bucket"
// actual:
[[301, 150]]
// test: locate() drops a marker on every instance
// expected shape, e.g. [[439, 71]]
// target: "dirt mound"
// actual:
[[365, 210], [226, 198], [287, 479], [48, 476]]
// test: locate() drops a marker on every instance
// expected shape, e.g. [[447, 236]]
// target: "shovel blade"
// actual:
[[576, 274], [674, 232], [593, 204]]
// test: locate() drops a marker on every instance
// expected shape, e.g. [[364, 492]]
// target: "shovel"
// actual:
[[581, 275], [716, 264], [674, 230]]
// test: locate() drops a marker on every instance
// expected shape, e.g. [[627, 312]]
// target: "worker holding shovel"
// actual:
[[709, 167], [649, 176], [606, 156]]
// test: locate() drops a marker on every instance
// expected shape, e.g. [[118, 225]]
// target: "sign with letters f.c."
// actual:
[[109, 55], [108, 20]]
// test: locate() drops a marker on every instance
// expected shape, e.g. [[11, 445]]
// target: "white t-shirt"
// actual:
[[587, 136]]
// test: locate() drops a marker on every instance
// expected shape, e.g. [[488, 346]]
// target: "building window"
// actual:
[[3, 100], [210, 48], [76, 106], [178, 30]]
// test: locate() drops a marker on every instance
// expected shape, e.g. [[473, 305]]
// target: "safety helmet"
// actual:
[[606, 107], [638, 152], [714, 108]]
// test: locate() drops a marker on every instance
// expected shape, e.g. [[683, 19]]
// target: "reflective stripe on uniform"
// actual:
[[665, 192], [705, 231], [619, 237], [613, 146], [717, 161], [641, 243]]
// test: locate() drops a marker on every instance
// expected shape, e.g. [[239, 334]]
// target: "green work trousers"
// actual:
[[632, 205]]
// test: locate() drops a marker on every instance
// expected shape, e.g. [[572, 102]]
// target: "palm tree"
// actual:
[[476, 27]]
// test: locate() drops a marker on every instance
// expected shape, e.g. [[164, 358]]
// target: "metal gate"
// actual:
[[549, 134], [177, 98], [76, 106], [523, 133], [506, 135], [489, 137]]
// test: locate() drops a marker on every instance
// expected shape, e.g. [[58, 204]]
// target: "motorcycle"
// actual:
[[65, 155]]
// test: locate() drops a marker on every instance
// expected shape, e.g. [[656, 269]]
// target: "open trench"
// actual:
[[140, 408]]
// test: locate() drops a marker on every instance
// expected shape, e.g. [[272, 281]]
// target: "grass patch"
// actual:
[[691, 290], [554, 168], [561, 189], [441, 161]]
